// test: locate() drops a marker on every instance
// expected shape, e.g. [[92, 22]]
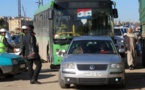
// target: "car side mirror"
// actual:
[[115, 13], [50, 14]]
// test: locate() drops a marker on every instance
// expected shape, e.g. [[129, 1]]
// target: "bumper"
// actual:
[[121, 50], [14, 69], [120, 47], [102, 78], [93, 81]]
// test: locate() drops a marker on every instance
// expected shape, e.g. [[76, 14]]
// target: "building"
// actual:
[[15, 25]]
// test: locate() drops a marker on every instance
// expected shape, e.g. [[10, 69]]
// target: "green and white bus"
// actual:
[[142, 27], [57, 22]]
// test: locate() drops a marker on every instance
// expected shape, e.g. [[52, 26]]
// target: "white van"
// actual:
[[119, 39]]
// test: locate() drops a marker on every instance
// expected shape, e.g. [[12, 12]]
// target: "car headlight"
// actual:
[[116, 66], [14, 62], [68, 66]]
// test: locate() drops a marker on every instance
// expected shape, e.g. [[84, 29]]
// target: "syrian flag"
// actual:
[[84, 14]]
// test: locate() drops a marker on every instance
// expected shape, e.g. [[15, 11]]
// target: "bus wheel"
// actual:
[[48, 56], [54, 66]]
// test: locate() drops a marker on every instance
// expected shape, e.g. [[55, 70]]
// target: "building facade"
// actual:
[[15, 23]]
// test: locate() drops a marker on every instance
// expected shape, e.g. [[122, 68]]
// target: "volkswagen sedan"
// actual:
[[92, 60]]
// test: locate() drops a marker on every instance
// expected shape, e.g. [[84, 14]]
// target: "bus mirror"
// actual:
[[115, 13], [50, 14]]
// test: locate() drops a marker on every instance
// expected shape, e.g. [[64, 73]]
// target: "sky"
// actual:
[[128, 10]]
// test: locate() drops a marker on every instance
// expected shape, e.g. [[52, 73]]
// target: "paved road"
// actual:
[[49, 79]]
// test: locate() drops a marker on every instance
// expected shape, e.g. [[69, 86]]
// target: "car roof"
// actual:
[[92, 38], [120, 27]]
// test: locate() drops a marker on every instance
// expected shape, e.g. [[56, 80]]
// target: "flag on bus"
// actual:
[[84, 14]]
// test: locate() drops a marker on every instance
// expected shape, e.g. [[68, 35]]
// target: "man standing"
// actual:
[[30, 52], [3, 41], [131, 48]]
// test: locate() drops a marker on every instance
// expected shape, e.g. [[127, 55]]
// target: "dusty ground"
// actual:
[[49, 79]]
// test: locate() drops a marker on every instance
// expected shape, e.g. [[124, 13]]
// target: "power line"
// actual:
[[40, 2]]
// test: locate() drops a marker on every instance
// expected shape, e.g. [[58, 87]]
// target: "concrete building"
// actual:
[[15, 25]]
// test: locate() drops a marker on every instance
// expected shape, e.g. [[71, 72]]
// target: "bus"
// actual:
[[57, 22], [142, 27]]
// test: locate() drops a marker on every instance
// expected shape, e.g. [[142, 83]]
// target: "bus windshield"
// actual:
[[77, 22]]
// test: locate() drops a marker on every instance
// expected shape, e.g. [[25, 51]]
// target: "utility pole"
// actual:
[[40, 2], [19, 13], [24, 14]]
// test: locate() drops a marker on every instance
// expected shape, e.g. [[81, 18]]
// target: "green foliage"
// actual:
[[3, 24]]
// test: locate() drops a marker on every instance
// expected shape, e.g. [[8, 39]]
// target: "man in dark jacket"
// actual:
[[30, 52]]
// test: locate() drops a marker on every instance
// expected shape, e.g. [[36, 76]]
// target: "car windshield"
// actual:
[[16, 38], [92, 47], [117, 32]]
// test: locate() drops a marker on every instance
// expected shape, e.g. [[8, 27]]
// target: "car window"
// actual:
[[117, 32], [124, 30], [92, 47], [16, 38]]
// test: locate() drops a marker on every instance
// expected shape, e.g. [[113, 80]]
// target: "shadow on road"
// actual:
[[49, 70], [133, 81], [50, 82], [25, 76]]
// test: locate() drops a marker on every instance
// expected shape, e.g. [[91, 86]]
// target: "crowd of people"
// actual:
[[29, 50]]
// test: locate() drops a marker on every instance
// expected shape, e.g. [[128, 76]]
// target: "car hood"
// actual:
[[8, 55], [118, 37], [91, 59]]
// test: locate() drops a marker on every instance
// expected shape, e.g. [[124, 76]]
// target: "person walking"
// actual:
[[131, 46], [3, 42], [30, 52]]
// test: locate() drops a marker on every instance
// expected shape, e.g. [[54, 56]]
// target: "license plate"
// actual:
[[22, 66], [99, 74]]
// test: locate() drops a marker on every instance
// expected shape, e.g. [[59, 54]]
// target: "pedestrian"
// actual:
[[30, 52], [23, 32], [3, 42], [139, 51], [131, 46]]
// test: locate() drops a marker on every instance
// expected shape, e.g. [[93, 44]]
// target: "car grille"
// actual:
[[92, 80], [92, 67]]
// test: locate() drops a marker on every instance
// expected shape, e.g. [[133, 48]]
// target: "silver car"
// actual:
[[119, 39], [92, 60]]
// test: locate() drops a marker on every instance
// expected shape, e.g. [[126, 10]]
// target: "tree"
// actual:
[[3, 24]]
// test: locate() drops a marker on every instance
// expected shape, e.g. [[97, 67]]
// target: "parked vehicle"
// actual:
[[119, 39], [13, 41], [11, 64], [97, 63]]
